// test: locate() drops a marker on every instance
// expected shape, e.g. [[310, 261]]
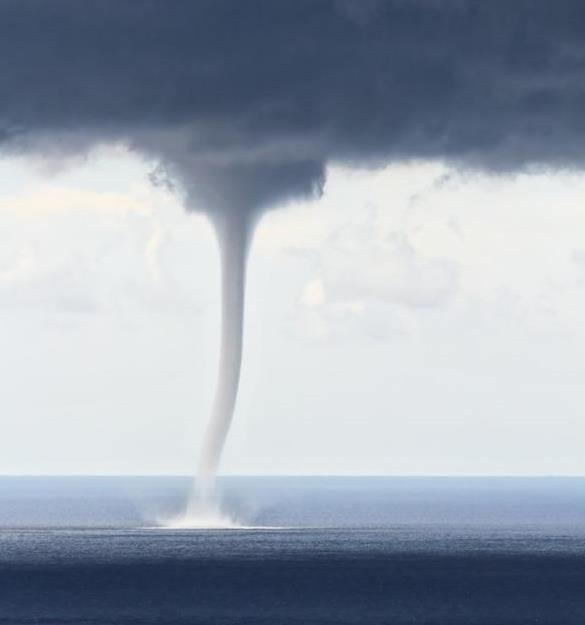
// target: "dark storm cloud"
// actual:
[[246, 101]]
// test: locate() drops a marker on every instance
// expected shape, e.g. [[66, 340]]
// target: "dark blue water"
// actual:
[[347, 550]]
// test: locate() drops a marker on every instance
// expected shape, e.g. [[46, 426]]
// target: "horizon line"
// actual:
[[301, 475]]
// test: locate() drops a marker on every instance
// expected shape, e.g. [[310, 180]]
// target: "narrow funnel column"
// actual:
[[232, 234]]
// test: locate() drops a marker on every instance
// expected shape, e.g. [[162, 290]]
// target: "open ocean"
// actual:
[[433, 551]]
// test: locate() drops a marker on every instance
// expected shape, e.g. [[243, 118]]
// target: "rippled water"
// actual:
[[338, 550]]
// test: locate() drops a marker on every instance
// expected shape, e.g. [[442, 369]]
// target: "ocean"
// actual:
[[432, 551]]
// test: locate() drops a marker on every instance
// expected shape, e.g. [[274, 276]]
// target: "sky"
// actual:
[[409, 175], [412, 320]]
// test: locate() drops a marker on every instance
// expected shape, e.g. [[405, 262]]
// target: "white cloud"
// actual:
[[74, 248], [420, 236], [51, 198], [313, 295], [365, 270], [444, 317], [385, 267]]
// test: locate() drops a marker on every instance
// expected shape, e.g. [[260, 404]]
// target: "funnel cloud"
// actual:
[[233, 236]]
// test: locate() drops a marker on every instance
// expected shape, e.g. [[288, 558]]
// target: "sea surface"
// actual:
[[433, 551]]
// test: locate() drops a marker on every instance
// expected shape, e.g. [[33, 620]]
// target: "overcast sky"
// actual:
[[417, 277], [436, 330]]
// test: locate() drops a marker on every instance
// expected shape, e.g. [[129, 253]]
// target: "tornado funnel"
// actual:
[[233, 233]]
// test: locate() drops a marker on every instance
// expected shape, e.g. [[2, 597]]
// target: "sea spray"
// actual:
[[202, 513]]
